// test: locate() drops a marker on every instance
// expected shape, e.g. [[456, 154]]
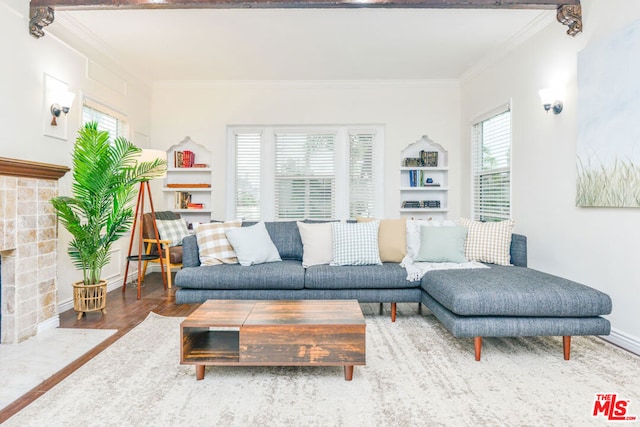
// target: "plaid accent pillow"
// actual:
[[355, 244], [172, 229], [213, 246], [488, 241]]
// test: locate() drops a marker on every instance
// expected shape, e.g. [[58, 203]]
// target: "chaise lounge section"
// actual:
[[500, 301]]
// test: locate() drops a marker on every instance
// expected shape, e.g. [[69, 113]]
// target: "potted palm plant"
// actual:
[[99, 212]]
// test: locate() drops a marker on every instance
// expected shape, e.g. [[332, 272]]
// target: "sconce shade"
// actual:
[[149, 155], [65, 101], [552, 99]]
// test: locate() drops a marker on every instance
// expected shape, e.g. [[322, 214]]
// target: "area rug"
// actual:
[[26, 365], [416, 374]]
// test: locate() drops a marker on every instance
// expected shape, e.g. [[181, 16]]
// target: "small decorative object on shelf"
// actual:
[[429, 158], [183, 159], [183, 199]]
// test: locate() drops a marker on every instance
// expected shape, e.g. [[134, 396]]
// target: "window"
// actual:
[[107, 119], [491, 144], [296, 173]]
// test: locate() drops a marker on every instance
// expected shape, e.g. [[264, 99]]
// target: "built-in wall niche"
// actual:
[[188, 184], [424, 180]]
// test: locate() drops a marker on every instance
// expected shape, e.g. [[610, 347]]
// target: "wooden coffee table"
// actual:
[[274, 333]]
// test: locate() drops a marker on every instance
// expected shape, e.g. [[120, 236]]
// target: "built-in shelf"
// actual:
[[195, 182], [424, 160]]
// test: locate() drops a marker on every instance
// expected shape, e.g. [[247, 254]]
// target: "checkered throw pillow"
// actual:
[[213, 246], [172, 229], [355, 243], [488, 241]]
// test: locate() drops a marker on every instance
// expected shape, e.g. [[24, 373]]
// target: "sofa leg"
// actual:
[[393, 311], [477, 344], [381, 310], [566, 346], [419, 308]]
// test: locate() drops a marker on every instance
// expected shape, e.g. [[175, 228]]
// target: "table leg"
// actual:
[[199, 372], [348, 372]]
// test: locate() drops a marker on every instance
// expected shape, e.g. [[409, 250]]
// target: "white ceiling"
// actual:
[[301, 44]]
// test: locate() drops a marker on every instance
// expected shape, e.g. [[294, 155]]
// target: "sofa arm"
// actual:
[[518, 250], [190, 254]]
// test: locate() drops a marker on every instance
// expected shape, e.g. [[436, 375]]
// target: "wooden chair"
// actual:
[[171, 256]]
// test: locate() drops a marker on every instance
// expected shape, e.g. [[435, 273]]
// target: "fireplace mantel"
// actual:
[[29, 169]]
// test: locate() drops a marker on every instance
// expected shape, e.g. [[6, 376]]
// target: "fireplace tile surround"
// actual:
[[28, 241]]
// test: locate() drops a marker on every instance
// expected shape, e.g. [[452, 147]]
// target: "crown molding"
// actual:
[[411, 83], [534, 27]]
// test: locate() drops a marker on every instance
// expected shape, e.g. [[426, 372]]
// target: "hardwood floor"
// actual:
[[124, 312]]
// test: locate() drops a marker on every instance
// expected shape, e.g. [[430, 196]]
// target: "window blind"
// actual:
[[491, 140], [248, 175], [362, 198], [304, 176], [106, 119]]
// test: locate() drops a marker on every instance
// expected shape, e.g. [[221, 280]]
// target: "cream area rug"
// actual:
[[417, 374], [26, 365]]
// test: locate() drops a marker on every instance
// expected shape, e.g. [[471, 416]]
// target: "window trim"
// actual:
[[503, 108], [268, 179], [88, 101]]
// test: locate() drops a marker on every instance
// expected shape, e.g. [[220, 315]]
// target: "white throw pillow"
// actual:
[[172, 229], [355, 243], [253, 245], [414, 235], [488, 241], [317, 243], [213, 246]]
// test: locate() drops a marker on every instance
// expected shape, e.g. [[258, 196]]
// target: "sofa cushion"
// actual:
[[513, 291], [488, 241], [253, 245], [286, 237], [442, 244], [213, 246], [317, 243], [384, 276], [355, 244], [287, 274], [392, 238]]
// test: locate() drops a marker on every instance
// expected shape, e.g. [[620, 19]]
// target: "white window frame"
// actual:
[[268, 157], [124, 129], [476, 159]]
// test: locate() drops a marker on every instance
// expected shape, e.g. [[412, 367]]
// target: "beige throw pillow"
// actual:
[[392, 238], [317, 243], [488, 241], [213, 246]]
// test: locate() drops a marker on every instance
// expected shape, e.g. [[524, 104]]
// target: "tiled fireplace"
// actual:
[[27, 247]]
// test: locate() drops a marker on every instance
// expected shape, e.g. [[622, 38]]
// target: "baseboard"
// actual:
[[50, 323], [623, 340]]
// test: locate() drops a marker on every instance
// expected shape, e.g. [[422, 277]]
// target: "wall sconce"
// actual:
[[551, 99], [66, 99]]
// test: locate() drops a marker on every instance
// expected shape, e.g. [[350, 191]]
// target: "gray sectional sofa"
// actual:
[[494, 302]]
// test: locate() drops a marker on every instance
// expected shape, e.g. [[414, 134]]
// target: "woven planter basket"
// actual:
[[89, 298]]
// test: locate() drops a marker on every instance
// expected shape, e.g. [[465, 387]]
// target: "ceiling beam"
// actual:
[[569, 12]]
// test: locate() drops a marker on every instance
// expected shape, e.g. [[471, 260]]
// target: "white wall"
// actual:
[[25, 60], [202, 110], [595, 246]]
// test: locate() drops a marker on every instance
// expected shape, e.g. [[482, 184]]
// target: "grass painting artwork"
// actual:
[[608, 149]]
